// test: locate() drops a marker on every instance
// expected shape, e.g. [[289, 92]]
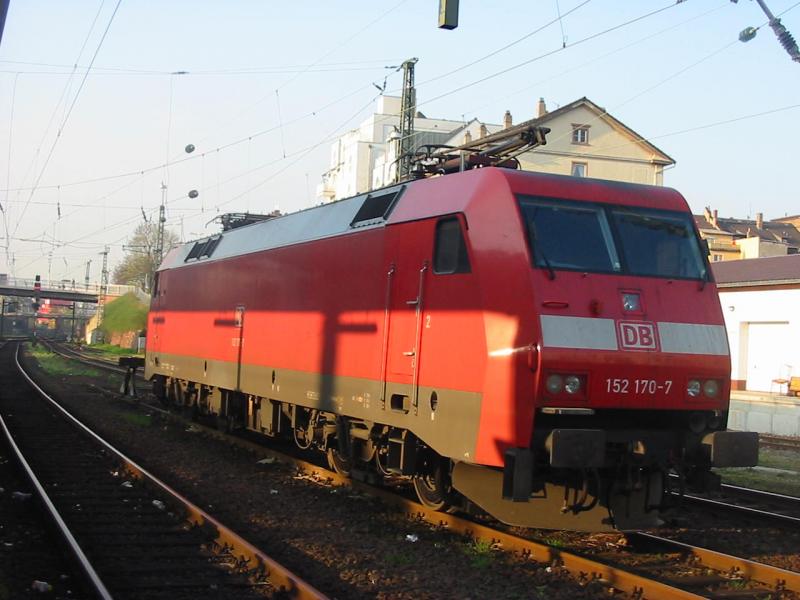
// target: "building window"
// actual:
[[716, 257], [579, 169], [580, 134]]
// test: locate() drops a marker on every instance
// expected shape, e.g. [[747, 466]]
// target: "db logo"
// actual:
[[637, 335]]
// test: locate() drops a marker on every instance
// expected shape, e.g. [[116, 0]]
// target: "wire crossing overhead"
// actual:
[[784, 36]]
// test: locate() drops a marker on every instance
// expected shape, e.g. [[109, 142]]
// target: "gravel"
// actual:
[[346, 544]]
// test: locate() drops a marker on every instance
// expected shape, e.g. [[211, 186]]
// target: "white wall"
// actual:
[[742, 309], [755, 247]]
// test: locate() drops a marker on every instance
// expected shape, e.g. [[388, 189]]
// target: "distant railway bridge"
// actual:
[[60, 307]]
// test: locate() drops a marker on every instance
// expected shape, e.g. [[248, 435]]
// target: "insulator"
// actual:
[[787, 41]]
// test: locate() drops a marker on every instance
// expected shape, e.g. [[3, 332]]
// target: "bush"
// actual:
[[125, 313]]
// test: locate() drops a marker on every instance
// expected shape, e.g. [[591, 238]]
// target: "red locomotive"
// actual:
[[548, 348]]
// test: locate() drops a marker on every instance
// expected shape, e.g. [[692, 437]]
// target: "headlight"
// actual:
[[572, 384], [697, 422], [711, 388], [554, 384], [693, 388]]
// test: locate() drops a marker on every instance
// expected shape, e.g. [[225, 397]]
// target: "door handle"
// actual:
[[409, 353]]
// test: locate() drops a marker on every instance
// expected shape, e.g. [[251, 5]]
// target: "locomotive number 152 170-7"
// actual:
[[638, 386]]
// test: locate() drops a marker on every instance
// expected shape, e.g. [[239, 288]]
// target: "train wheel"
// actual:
[[338, 463], [433, 488]]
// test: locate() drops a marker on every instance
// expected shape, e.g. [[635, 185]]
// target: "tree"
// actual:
[[140, 260]]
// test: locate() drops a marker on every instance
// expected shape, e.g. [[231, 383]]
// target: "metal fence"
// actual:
[[69, 285]]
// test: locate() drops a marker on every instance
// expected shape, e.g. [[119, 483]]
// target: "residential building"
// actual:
[[735, 239], [761, 304], [584, 141]]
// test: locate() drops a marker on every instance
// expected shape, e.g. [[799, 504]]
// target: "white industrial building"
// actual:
[[761, 304], [584, 141]]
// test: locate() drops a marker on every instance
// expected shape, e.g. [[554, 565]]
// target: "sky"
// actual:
[[262, 88]]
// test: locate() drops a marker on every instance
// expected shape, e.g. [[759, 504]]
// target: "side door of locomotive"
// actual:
[[407, 260]]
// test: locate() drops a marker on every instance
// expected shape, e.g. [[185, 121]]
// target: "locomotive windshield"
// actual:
[[612, 239]]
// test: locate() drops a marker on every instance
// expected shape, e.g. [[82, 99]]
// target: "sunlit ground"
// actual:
[[785, 481]]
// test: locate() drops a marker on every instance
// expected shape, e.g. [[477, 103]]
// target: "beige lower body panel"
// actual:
[[449, 425]]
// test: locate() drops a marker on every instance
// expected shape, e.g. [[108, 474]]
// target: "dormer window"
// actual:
[[580, 134]]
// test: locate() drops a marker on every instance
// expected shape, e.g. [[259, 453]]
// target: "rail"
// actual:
[[85, 566], [250, 556], [581, 567]]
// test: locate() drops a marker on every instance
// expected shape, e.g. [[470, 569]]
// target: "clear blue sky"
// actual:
[[680, 69]]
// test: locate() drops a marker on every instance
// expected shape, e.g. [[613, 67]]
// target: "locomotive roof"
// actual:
[[409, 201]]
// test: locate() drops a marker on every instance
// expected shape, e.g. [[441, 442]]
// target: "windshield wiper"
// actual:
[[537, 248]]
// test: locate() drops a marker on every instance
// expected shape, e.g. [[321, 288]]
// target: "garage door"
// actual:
[[767, 348]]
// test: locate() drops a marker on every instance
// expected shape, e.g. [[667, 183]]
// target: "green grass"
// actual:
[[480, 553], [112, 349], [399, 559], [52, 364], [125, 313], [137, 419], [737, 584], [779, 459], [780, 483]]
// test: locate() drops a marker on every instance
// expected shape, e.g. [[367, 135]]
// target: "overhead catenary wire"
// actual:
[[183, 159], [561, 24], [551, 52], [310, 148], [8, 171], [65, 69], [337, 101], [69, 112], [291, 155], [599, 58], [504, 47], [321, 58], [652, 87], [324, 140], [346, 41], [64, 91]]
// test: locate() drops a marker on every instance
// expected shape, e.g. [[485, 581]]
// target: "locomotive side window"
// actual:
[[658, 243], [569, 235], [450, 251]]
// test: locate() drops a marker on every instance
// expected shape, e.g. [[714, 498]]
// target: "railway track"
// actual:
[[678, 571], [779, 509], [132, 535], [780, 442]]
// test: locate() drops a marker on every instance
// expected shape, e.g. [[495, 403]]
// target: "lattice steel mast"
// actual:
[[408, 110]]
